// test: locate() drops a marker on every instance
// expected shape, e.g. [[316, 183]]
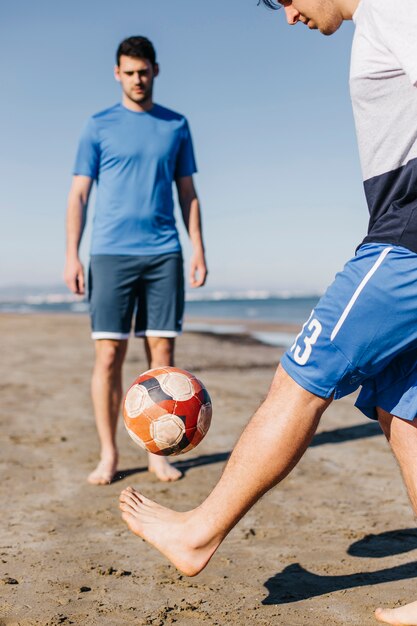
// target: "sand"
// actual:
[[334, 541]]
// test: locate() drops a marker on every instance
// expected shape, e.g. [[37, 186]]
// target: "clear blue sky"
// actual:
[[279, 177]]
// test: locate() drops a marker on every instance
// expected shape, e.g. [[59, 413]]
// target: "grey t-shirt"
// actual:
[[383, 80]]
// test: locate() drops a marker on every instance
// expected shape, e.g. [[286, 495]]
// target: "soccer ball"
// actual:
[[167, 411]]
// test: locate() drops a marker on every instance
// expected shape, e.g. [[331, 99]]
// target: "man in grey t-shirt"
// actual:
[[363, 331]]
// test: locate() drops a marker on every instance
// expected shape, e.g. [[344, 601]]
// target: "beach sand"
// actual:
[[334, 541]]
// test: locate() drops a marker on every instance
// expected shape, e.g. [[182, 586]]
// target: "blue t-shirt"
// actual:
[[135, 157]]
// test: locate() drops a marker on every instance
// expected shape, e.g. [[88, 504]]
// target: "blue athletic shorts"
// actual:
[[151, 288], [363, 332]]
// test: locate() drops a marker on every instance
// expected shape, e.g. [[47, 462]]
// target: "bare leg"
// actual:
[[270, 446], [402, 436], [106, 391], [160, 352]]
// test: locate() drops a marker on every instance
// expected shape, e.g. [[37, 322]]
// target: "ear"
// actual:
[[156, 70], [117, 73]]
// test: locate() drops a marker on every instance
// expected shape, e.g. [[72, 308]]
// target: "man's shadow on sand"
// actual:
[[295, 583], [339, 435], [183, 466]]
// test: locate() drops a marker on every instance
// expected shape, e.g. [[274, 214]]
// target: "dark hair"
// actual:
[[138, 48], [270, 4]]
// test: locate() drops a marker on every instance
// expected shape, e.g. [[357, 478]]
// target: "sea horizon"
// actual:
[[255, 313]]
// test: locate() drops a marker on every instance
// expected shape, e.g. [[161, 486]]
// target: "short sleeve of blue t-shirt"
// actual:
[[87, 161], [135, 157], [186, 165]]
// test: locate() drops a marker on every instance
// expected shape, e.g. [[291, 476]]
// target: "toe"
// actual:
[[131, 501], [174, 474], [126, 507], [97, 479]]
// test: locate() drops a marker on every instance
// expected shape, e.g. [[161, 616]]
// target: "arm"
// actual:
[[76, 214], [190, 209]]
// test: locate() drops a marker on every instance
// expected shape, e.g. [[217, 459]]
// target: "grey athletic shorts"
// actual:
[[149, 287]]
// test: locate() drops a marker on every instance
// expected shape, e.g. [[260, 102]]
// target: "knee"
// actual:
[[161, 351], [109, 355]]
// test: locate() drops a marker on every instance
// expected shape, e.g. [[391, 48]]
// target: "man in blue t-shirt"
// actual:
[[134, 151]]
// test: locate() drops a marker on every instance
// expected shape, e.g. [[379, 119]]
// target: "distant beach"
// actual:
[[265, 317]]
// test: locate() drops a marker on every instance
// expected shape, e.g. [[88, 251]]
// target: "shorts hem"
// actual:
[[307, 385], [370, 410], [158, 333], [122, 252], [109, 335]]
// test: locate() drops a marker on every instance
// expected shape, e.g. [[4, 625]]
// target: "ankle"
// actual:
[[109, 454], [200, 536], [154, 459]]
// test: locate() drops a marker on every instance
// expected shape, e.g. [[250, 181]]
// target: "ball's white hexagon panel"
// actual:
[[167, 431], [177, 386], [137, 401]]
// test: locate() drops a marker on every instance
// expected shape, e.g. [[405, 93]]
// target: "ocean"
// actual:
[[206, 313]]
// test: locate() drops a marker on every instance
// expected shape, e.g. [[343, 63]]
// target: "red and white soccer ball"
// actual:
[[167, 411]]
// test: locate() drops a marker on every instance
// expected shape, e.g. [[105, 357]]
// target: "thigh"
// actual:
[[161, 297], [402, 437], [367, 317], [112, 291]]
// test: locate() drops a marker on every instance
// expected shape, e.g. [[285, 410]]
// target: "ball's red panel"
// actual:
[[189, 411], [196, 437], [135, 438], [141, 427]]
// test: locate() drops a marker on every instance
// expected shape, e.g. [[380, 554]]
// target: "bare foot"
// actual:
[[104, 472], [177, 536], [403, 616], [163, 470]]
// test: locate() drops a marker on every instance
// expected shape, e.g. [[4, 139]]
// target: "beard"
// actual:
[[330, 21], [140, 98]]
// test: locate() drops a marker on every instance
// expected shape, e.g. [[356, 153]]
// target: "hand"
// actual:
[[198, 270], [74, 276]]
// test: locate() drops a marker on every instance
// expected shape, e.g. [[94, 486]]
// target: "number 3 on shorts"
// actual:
[[302, 353]]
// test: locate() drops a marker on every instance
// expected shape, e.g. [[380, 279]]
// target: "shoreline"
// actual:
[[266, 332], [251, 324], [218, 326]]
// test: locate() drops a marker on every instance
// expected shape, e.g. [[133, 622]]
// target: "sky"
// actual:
[[268, 105]]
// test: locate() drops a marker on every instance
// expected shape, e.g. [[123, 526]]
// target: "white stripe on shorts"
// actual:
[[157, 333], [356, 295], [109, 335]]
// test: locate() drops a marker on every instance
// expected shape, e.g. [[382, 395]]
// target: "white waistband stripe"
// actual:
[[356, 295]]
